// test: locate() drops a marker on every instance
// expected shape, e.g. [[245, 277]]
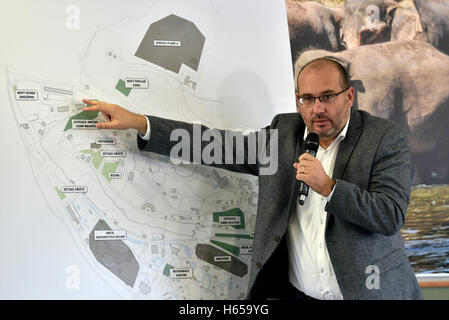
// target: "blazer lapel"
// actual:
[[347, 145]]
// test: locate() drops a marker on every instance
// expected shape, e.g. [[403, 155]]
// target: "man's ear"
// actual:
[[350, 96]]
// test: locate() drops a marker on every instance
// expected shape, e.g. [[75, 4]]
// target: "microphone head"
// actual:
[[312, 142]]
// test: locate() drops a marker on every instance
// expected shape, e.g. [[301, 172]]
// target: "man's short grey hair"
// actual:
[[310, 56]]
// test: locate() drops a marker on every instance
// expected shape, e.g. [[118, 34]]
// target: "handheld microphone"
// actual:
[[312, 144]]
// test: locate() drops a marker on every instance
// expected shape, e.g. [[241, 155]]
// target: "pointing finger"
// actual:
[[91, 108], [105, 108], [92, 105], [91, 102]]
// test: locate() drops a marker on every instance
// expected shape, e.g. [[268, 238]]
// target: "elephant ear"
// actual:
[[406, 23], [338, 15], [391, 6], [390, 10]]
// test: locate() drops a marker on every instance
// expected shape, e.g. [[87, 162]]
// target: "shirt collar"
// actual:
[[340, 136]]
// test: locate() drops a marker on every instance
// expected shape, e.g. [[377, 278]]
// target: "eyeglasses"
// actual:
[[309, 101]]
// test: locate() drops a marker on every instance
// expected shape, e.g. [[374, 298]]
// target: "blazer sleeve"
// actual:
[[382, 207], [232, 150]]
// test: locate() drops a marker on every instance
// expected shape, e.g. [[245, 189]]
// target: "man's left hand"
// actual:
[[309, 169]]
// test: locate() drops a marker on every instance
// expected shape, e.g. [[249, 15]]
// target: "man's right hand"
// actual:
[[117, 117]]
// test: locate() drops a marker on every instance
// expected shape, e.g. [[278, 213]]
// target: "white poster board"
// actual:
[[84, 214]]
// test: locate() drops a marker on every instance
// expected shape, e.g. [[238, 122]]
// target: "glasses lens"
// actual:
[[307, 100], [327, 98]]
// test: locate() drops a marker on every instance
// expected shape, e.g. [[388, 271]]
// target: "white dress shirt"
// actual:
[[146, 137], [310, 268]]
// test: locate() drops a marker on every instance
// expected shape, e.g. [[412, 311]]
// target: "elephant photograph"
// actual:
[[399, 66]]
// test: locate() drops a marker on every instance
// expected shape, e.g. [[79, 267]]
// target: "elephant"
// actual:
[[402, 81], [376, 21], [313, 26], [366, 22], [435, 20]]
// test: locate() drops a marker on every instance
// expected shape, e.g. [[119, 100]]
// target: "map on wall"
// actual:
[[84, 213]]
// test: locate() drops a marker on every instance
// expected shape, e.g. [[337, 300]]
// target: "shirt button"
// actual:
[[321, 245]]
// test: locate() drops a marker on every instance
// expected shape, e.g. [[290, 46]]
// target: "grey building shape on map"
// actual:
[[62, 108], [144, 288], [58, 90], [95, 145], [208, 253], [154, 249], [172, 28], [72, 214], [222, 181], [114, 255]]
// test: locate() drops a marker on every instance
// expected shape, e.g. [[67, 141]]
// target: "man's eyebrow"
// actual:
[[329, 91]]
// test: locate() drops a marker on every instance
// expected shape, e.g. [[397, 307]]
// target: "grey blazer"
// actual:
[[365, 214]]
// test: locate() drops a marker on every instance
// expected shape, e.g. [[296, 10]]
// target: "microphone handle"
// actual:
[[303, 187]]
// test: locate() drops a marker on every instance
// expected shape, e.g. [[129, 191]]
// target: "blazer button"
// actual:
[[277, 238], [258, 265]]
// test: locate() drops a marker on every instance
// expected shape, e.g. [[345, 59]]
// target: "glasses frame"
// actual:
[[300, 98]]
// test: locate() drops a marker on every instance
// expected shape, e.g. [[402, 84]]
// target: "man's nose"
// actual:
[[318, 106]]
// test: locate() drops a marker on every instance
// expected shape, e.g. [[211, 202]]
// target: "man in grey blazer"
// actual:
[[345, 241]]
